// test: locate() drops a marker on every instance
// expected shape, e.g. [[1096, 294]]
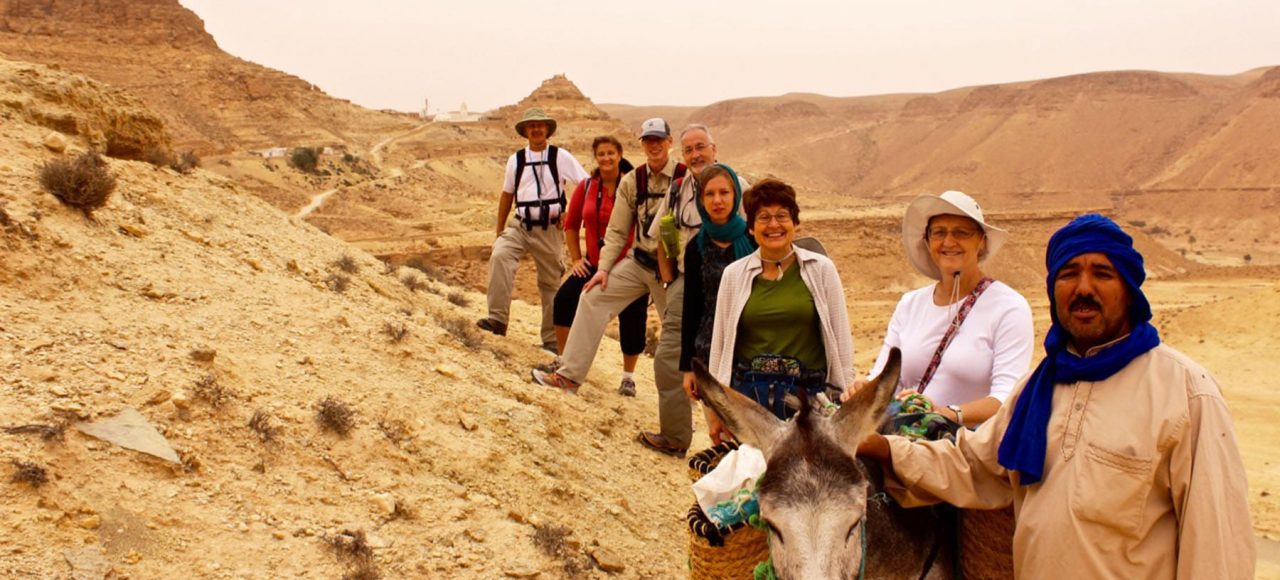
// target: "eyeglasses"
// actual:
[[700, 148], [781, 217], [960, 234]]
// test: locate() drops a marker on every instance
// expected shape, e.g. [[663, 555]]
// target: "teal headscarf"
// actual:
[[734, 230]]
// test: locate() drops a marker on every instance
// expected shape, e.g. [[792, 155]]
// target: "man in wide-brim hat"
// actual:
[[536, 180]]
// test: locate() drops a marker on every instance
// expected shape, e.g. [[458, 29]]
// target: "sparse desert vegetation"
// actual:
[[83, 182]]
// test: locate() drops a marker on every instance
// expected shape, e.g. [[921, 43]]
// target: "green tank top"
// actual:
[[781, 318]]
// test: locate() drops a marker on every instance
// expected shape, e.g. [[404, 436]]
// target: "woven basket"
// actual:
[[986, 544], [704, 461], [715, 554]]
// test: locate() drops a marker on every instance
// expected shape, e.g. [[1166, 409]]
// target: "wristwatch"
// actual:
[[959, 414]]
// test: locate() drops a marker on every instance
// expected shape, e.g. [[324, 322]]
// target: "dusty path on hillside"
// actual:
[[375, 154]]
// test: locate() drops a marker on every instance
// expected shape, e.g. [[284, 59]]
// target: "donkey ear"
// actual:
[[862, 414], [745, 418]]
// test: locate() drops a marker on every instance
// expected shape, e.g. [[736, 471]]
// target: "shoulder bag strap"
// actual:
[[982, 286]]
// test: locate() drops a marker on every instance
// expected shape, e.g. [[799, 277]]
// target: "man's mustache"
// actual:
[[1085, 301]]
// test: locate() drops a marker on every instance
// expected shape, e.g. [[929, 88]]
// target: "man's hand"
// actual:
[[601, 279], [848, 393], [719, 434], [579, 268], [690, 386]]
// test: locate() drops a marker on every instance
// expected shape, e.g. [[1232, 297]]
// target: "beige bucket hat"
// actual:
[[948, 203], [536, 114]]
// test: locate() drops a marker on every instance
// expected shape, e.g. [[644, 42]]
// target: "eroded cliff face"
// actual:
[[159, 50]]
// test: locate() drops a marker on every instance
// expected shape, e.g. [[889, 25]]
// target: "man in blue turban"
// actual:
[[1117, 451]]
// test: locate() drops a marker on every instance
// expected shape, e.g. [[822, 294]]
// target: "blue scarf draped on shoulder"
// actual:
[[1026, 438], [735, 230]]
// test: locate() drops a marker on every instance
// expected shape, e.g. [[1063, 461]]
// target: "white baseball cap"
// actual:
[[655, 127]]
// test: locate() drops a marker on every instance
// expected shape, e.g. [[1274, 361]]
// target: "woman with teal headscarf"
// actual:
[[722, 240]]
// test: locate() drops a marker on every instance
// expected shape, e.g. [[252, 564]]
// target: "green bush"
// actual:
[[82, 182], [304, 159]]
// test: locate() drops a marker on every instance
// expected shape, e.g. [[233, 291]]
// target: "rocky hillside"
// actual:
[[227, 325], [158, 50]]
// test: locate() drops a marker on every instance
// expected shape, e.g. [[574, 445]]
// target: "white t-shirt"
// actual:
[[537, 179], [990, 352]]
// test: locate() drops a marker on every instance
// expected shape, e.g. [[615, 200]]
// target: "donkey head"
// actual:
[[814, 495]]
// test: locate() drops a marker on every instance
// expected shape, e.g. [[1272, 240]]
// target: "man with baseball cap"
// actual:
[[621, 279], [537, 178], [1117, 451]]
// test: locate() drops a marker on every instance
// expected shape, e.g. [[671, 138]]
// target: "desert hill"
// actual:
[[159, 51], [1119, 141], [200, 305]]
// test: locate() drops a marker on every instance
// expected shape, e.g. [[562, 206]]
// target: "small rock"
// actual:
[[448, 371], [378, 542], [55, 142], [70, 408], [134, 230], [278, 534], [522, 570], [608, 561], [160, 396], [133, 557], [58, 390], [253, 263], [293, 266], [90, 522], [476, 534], [467, 422], [203, 354], [384, 503], [39, 374], [180, 400], [1266, 493]]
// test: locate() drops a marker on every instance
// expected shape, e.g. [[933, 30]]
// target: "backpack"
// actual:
[[643, 195], [551, 159]]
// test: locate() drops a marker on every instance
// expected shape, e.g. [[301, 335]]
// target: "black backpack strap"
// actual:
[[642, 183]]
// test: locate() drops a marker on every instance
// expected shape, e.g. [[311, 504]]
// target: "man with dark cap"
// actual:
[[1117, 451]]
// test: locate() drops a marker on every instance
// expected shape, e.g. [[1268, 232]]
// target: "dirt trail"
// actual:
[[375, 154]]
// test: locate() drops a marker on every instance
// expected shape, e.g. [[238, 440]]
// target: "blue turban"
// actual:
[[735, 230], [1026, 438]]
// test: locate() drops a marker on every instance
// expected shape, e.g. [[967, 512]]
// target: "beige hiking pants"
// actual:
[[547, 247], [629, 281]]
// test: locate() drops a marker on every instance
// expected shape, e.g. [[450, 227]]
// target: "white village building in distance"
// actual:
[[462, 115]]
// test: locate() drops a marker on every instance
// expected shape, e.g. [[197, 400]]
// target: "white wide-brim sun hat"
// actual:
[[948, 203]]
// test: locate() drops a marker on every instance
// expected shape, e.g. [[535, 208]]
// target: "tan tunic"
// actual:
[[1143, 478], [625, 216]]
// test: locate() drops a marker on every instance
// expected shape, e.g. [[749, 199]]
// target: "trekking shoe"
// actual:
[[550, 367], [658, 442], [491, 325], [551, 348], [555, 380], [627, 388]]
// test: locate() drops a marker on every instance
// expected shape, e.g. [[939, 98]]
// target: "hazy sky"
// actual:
[[393, 53]]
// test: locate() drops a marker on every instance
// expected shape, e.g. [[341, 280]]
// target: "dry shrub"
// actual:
[[335, 416], [54, 432], [29, 473], [396, 331], [347, 264], [459, 299], [209, 390], [413, 282], [82, 182], [264, 425], [186, 162], [462, 330], [432, 271], [551, 540], [305, 159], [338, 282], [353, 550]]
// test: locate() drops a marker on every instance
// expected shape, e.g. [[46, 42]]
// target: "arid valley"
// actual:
[[228, 303]]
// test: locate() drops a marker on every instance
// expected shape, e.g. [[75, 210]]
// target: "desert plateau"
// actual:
[[304, 341]]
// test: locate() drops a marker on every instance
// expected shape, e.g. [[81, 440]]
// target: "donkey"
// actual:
[[827, 514]]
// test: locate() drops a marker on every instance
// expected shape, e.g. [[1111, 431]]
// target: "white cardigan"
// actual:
[[819, 275]]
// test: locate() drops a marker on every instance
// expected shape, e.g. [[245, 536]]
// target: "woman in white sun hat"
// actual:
[[969, 377]]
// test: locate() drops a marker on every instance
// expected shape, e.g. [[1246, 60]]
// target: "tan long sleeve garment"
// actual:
[[1143, 478]]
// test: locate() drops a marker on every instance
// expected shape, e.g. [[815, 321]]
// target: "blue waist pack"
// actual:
[[769, 378]]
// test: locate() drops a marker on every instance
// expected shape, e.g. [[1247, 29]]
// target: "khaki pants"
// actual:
[[629, 281], [547, 248]]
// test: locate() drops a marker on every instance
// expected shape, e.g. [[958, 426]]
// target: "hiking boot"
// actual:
[[491, 325], [550, 367], [659, 442], [555, 380], [627, 388], [551, 348]]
